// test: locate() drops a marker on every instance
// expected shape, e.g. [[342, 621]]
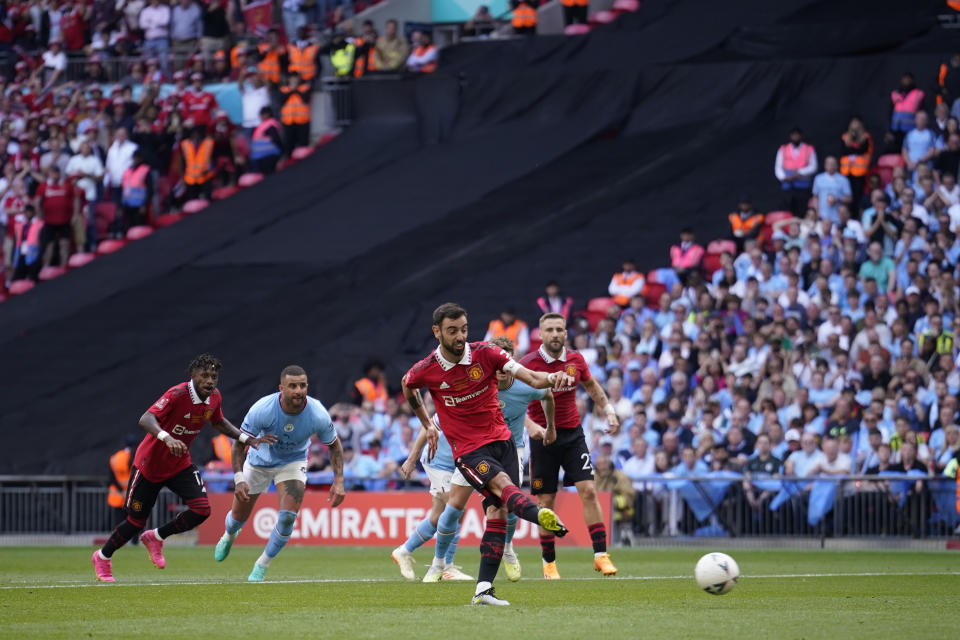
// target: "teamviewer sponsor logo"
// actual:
[[452, 401]]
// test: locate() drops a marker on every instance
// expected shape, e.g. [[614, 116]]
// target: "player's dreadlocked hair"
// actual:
[[202, 362]]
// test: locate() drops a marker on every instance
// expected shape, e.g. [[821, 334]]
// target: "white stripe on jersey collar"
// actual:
[[548, 359], [446, 365], [194, 397]]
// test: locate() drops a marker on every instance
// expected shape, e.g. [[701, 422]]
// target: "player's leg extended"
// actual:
[[235, 519], [448, 526], [548, 549], [403, 555], [516, 501], [491, 552], [189, 486], [511, 564], [140, 498], [593, 516], [545, 462], [290, 497]]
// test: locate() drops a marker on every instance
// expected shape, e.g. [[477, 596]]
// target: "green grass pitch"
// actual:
[[353, 592]]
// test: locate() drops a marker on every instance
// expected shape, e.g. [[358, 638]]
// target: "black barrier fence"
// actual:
[[893, 507]]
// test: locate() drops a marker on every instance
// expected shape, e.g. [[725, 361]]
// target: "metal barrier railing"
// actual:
[[888, 506], [732, 505]]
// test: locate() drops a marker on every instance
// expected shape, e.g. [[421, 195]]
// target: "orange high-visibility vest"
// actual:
[[372, 392], [524, 16], [120, 465], [574, 3], [235, 54], [497, 329], [746, 226], [430, 67], [269, 64], [623, 279], [303, 61], [856, 166], [295, 110], [222, 446], [366, 62], [197, 168]]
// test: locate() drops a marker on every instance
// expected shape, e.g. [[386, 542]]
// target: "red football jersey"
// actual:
[[182, 414], [465, 394], [199, 106], [571, 363]]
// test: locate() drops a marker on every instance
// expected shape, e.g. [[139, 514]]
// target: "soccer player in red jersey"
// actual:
[[163, 460], [570, 451], [462, 380]]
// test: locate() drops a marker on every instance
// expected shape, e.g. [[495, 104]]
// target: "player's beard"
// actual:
[[455, 347], [555, 347]]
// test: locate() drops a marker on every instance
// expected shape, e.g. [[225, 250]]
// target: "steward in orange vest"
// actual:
[[222, 448], [371, 387], [745, 222], [855, 161], [121, 464], [508, 325], [626, 284], [366, 45], [270, 51], [302, 56], [197, 165], [295, 113], [524, 18]]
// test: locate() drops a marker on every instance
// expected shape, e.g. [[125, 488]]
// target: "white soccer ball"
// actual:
[[717, 573]]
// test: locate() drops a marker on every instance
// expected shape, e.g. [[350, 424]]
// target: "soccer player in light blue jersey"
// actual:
[[442, 473], [514, 397], [293, 417]]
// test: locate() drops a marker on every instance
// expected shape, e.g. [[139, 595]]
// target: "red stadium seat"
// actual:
[[20, 286], [711, 264], [49, 273], [576, 29], [652, 292], [890, 160], [776, 216], [600, 304], [80, 259], [535, 340], [325, 139], [603, 17], [138, 232], [719, 246], [626, 5], [109, 246], [104, 214], [167, 219], [249, 179], [224, 192], [301, 152], [194, 206]]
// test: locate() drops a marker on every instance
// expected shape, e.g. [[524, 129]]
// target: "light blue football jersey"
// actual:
[[513, 402], [443, 459], [293, 431]]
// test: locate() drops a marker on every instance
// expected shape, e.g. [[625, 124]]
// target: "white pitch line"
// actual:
[[174, 583]]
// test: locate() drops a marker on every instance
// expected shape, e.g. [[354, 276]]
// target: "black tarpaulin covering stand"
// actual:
[[519, 162]]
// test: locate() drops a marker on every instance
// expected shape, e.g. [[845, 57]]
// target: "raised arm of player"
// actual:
[[226, 427], [600, 397], [538, 379], [416, 403], [337, 490], [410, 464], [150, 424]]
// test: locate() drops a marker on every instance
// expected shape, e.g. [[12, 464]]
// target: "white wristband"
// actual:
[[238, 477], [244, 436], [552, 377], [163, 436]]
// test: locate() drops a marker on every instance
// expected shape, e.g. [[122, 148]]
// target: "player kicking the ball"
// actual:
[[163, 460], [461, 379], [570, 451], [291, 417]]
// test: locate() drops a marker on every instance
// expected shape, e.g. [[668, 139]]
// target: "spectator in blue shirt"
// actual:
[[831, 189], [920, 144]]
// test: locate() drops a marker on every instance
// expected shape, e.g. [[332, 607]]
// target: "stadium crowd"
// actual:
[[109, 116], [820, 338]]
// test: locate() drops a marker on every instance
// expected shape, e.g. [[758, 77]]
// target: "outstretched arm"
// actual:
[[226, 427], [538, 379], [599, 397], [408, 466]]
